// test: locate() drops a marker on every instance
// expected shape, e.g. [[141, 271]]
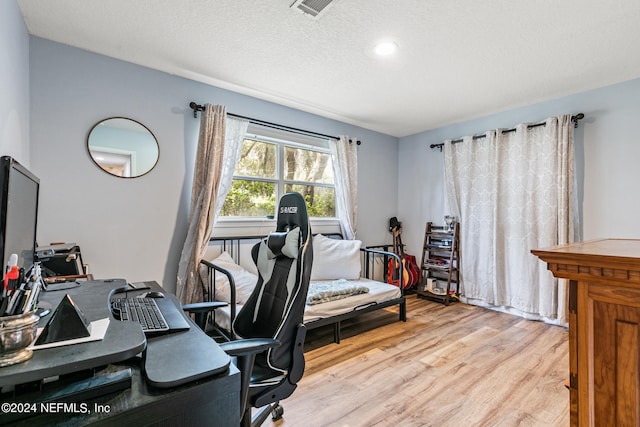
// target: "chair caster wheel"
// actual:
[[277, 412]]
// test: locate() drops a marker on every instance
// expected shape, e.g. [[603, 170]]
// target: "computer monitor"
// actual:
[[19, 213]]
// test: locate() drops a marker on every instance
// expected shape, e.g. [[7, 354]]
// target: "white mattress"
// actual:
[[378, 292]]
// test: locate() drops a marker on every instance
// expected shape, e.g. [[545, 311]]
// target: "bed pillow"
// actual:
[[335, 259], [245, 281]]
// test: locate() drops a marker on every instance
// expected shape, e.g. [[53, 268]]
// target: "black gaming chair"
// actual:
[[269, 351]]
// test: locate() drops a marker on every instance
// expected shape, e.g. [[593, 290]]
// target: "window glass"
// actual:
[[269, 167], [307, 165], [320, 200], [250, 198], [257, 158]]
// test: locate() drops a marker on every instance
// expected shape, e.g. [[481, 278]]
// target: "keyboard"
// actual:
[[141, 310]]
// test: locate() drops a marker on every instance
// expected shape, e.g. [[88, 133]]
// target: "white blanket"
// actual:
[[320, 292]]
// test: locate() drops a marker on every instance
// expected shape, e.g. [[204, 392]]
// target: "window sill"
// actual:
[[235, 227]]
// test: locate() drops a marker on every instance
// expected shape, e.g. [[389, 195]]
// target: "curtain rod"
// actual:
[[198, 107], [574, 119]]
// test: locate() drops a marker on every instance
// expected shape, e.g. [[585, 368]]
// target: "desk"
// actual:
[[210, 399], [604, 328]]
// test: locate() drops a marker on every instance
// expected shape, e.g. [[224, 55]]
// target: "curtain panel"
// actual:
[[514, 192], [345, 170], [219, 144]]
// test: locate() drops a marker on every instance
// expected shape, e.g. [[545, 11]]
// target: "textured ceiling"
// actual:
[[457, 59]]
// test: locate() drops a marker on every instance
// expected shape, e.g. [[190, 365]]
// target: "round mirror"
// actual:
[[123, 147]]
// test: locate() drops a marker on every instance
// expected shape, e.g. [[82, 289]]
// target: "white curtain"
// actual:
[[219, 146], [514, 192], [345, 170], [235, 131]]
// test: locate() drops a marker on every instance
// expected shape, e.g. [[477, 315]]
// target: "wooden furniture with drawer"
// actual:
[[604, 328]]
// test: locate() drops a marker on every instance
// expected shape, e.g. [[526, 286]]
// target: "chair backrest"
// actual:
[[276, 305]]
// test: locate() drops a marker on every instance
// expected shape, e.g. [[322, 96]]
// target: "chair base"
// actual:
[[274, 409]]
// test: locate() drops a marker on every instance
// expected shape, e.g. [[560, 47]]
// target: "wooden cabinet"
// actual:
[[440, 263], [604, 329]]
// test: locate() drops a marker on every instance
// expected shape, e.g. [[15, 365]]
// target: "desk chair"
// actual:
[[269, 353]]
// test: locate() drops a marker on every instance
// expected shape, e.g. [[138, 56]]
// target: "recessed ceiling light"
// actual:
[[385, 48]]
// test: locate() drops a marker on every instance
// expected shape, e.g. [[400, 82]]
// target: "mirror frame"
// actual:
[[131, 120]]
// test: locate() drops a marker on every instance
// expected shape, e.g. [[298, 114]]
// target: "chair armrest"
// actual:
[[245, 351], [248, 346], [201, 311], [203, 307]]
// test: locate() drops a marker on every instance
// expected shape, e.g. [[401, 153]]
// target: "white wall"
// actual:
[[14, 84], [607, 161], [135, 228]]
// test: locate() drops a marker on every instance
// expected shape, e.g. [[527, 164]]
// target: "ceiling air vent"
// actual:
[[315, 8]]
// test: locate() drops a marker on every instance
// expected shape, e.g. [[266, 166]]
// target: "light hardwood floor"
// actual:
[[459, 365]]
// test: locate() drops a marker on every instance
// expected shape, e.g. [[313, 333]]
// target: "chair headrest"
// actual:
[[292, 213], [284, 243]]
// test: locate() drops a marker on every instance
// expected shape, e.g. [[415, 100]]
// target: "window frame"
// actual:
[[236, 225]]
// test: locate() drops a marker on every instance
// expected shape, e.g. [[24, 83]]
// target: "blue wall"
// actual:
[[607, 161], [135, 228]]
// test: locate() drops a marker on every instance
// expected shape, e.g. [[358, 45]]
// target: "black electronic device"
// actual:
[[66, 323], [19, 190], [155, 314], [60, 259], [144, 311], [154, 294]]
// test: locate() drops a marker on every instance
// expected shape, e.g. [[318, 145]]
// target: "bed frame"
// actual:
[[370, 256]]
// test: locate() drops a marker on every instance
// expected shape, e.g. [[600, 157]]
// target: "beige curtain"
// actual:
[[514, 192], [206, 179], [345, 170]]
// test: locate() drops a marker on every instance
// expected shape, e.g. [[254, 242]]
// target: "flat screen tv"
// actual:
[[18, 218]]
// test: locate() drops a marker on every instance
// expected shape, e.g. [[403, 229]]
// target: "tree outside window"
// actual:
[[269, 168]]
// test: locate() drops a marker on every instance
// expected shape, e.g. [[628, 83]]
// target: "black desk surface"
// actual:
[[122, 341], [180, 357], [169, 360], [174, 377]]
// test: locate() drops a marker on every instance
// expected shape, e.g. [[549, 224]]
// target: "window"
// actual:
[[270, 167]]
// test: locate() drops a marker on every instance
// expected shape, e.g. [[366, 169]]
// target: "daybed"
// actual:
[[341, 285]]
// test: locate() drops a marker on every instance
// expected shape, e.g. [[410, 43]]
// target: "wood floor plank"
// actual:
[[459, 365], [458, 348]]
